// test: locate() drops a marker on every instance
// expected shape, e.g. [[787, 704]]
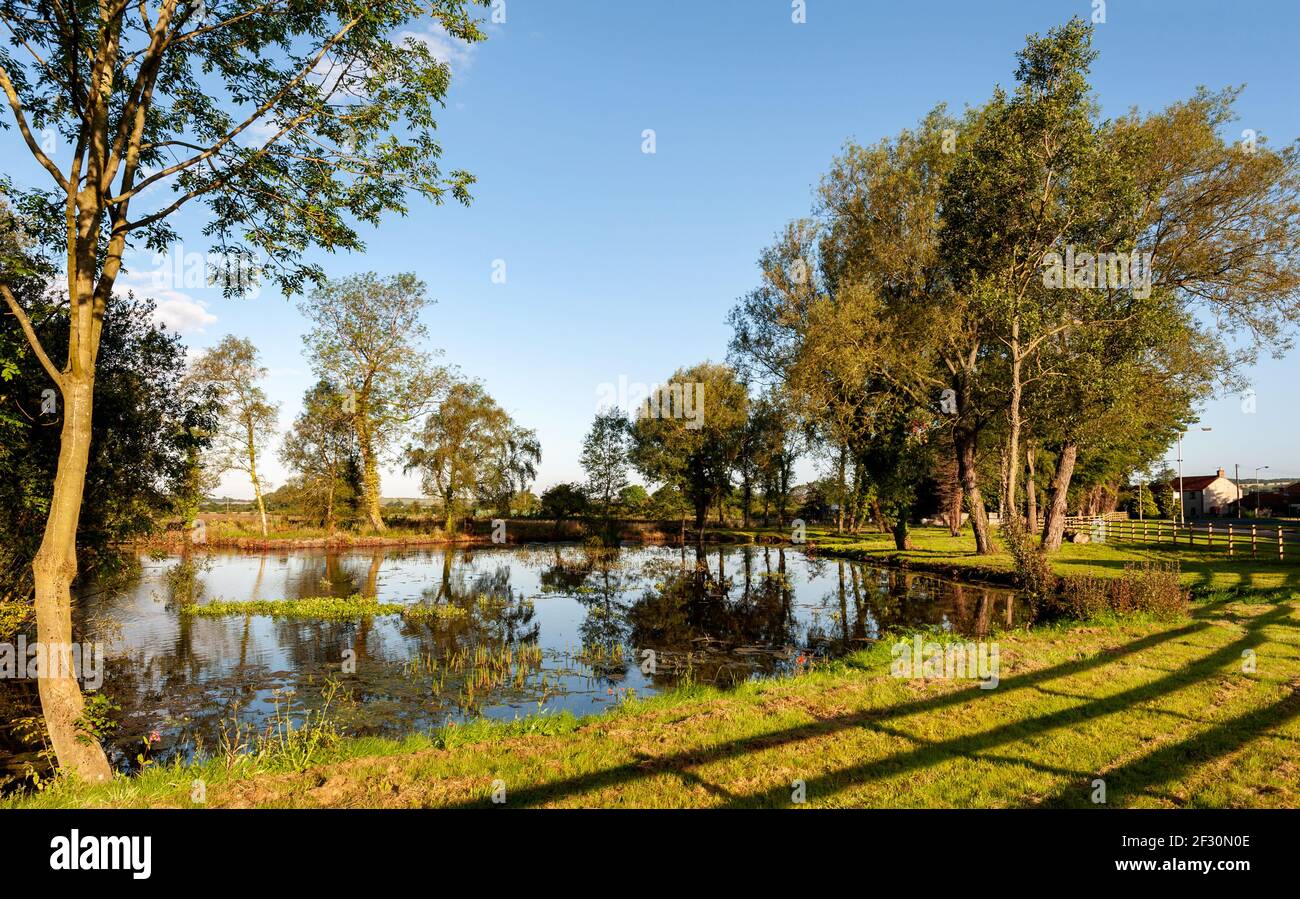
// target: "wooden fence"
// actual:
[[1233, 538]]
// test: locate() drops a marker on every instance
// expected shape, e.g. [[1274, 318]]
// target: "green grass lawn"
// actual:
[[1203, 568], [1164, 712]]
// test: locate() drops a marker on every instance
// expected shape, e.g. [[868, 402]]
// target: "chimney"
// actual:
[[1220, 472]]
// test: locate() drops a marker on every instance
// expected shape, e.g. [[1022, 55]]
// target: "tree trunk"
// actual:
[[839, 517], [746, 498], [369, 472], [1031, 493], [964, 441], [1054, 526], [252, 474], [879, 516], [54, 569], [1011, 461], [901, 539]]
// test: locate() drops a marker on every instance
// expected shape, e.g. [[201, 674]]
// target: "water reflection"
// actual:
[[540, 628]]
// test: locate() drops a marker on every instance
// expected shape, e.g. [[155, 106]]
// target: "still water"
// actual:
[[545, 628]]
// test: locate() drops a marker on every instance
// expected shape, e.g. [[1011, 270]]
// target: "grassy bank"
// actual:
[[243, 532], [1165, 712], [1204, 569]]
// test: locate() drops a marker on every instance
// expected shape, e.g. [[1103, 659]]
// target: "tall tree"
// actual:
[[287, 122], [688, 433], [604, 458], [321, 447], [366, 337], [247, 420], [775, 448]]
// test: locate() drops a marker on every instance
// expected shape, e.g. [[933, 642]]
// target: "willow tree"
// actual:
[[457, 449], [291, 120]]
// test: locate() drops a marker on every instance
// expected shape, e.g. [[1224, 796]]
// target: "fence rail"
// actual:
[[1233, 538]]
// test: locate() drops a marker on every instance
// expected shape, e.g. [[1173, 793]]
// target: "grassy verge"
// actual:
[[1204, 569], [1201, 711]]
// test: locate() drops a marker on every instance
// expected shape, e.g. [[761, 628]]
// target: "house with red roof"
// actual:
[[1206, 494]]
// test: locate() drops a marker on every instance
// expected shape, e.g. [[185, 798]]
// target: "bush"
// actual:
[[1033, 568], [1152, 589]]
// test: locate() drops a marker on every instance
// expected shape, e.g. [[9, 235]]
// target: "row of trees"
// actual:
[[1017, 309], [916, 326], [380, 398], [697, 450]]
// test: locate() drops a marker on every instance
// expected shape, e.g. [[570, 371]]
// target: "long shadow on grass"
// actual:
[[672, 764], [967, 746], [1139, 776]]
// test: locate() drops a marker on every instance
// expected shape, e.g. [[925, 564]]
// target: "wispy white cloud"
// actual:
[[173, 308], [442, 46], [183, 315]]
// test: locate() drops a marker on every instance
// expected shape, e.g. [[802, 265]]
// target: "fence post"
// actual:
[[1280, 552], [1252, 541], [1229, 539], [1209, 533]]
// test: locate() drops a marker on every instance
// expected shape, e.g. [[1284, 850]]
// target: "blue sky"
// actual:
[[621, 263]]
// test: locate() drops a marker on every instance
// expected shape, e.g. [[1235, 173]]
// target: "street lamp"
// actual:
[[1257, 471]]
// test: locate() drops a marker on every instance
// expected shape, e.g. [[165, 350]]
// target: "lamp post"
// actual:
[[1236, 476], [1182, 519], [1180, 478], [1257, 471]]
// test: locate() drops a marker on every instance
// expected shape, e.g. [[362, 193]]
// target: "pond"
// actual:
[[536, 629]]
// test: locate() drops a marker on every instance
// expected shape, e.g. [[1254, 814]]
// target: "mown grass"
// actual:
[[326, 608], [1199, 711], [1203, 568]]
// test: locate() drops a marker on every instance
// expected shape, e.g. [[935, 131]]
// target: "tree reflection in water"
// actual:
[[535, 628]]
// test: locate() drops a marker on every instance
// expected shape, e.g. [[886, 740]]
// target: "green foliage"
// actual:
[[634, 500], [604, 459], [470, 451], [1150, 589], [321, 448], [1030, 561], [689, 433], [238, 111], [246, 419], [367, 340], [564, 501], [147, 429]]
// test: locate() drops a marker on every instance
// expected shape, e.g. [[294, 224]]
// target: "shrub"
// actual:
[[1033, 568], [1151, 589]]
